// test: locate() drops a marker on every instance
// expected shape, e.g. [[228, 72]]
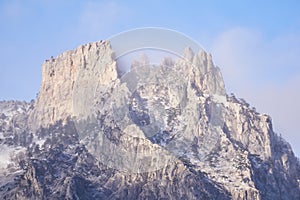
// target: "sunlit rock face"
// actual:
[[163, 131], [73, 74]]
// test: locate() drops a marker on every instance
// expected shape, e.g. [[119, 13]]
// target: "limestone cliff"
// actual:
[[73, 74]]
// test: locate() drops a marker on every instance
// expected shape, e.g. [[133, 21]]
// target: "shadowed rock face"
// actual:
[[157, 132]]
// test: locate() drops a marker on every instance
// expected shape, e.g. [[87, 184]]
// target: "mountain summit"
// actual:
[[166, 131]]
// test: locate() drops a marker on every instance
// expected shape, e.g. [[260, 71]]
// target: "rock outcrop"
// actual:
[[75, 73], [156, 132]]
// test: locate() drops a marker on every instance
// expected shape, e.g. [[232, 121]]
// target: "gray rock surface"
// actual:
[[156, 132]]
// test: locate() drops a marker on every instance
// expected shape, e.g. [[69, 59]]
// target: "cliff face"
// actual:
[[167, 131], [73, 74]]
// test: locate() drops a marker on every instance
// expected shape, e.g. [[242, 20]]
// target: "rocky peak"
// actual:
[[81, 72], [73, 74], [202, 71], [188, 54]]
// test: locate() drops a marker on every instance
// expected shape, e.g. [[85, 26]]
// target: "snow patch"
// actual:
[[6, 155], [40, 142], [220, 99]]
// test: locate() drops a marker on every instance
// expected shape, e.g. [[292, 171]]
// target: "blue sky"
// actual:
[[255, 43]]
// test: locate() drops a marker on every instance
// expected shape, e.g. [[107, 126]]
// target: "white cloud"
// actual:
[[266, 72]]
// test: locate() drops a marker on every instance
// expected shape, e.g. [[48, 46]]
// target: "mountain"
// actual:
[[165, 131]]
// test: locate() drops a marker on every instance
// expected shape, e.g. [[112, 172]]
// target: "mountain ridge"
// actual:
[[164, 132]]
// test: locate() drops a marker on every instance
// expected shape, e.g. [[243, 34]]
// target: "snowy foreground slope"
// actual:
[[168, 131]]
